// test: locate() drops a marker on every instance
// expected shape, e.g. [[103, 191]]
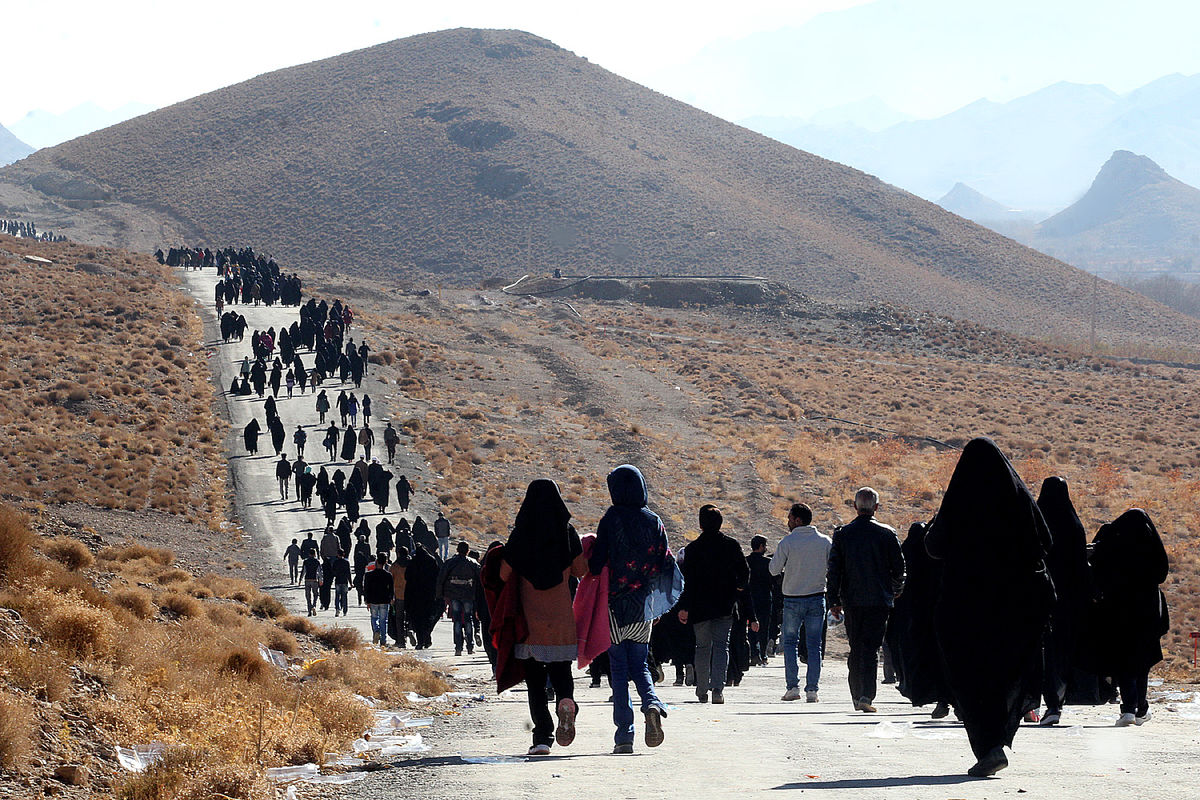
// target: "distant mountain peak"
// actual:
[[973, 205]]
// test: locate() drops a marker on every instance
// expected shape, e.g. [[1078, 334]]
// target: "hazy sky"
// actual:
[[732, 58]]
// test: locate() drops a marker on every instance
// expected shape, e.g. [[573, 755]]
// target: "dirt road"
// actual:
[[754, 745]]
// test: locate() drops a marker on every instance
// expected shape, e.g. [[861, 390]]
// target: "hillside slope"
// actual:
[[11, 148], [469, 153]]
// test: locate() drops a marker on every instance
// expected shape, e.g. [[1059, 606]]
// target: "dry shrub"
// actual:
[[170, 576], [296, 624], [380, 675], [81, 630], [282, 641], [134, 551], [339, 639], [134, 600], [227, 615], [244, 662], [16, 540], [40, 672], [264, 605], [71, 553], [181, 605], [16, 730], [164, 779]]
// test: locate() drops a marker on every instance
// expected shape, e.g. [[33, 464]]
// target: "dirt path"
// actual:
[[753, 746]]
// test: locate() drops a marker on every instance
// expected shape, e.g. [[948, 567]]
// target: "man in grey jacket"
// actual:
[[802, 557], [866, 574]]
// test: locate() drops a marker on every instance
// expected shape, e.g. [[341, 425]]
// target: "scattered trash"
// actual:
[[343, 777], [285, 774], [1073, 730], [140, 756], [273, 657], [390, 745], [888, 730], [492, 759], [369, 702]]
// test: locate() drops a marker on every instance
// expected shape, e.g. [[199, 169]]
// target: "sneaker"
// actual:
[[470, 651], [654, 730], [1142, 719], [791, 694], [940, 711], [595, 684], [1051, 718], [888, 681], [374, 636], [566, 710], [458, 651], [1125, 720], [865, 706], [990, 764], [811, 697], [701, 697], [1032, 716], [540, 750], [623, 749], [718, 698]]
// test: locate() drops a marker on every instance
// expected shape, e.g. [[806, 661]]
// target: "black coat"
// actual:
[[378, 587], [250, 436], [714, 572], [349, 444], [910, 632]]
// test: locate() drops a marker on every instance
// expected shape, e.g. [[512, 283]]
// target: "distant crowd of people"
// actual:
[[28, 230]]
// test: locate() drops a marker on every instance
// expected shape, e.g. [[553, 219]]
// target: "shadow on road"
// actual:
[[882, 783]]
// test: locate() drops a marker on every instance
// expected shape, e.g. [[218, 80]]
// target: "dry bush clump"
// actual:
[[16, 730], [71, 553], [136, 601], [339, 639], [80, 388]]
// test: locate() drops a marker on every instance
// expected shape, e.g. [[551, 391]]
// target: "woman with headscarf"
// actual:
[[349, 445], [250, 436], [420, 590], [542, 553], [1068, 565], [362, 557], [994, 601], [404, 492], [910, 632], [1129, 563]]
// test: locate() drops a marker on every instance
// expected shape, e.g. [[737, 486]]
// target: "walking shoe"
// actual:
[[566, 710], [888, 681], [654, 731], [678, 681], [990, 764], [811, 697], [791, 694], [479, 640], [458, 651], [865, 706], [470, 651], [940, 711], [1051, 718], [701, 697], [1125, 720], [623, 749], [1142, 719], [718, 698], [595, 684], [689, 674], [1032, 716], [540, 750], [374, 636]]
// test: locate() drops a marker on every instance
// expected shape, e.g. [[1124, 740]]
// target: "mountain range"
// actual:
[[11, 148], [41, 128], [465, 154], [1037, 153]]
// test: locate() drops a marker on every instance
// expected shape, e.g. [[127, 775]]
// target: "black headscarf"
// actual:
[[542, 543], [995, 596]]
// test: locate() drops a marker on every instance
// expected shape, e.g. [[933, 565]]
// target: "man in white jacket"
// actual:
[[803, 558]]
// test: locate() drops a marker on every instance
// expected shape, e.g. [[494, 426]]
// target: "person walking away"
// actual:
[[632, 542], [543, 552], [802, 559], [456, 586], [1128, 564], [283, 471], [714, 571], [441, 529], [759, 590], [250, 436], [420, 591], [397, 625], [310, 573], [322, 403], [390, 440], [309, 546], [362, 557], [482, 610], [366, 409], [299, 438], [342, 577], [404, 491], [307, 481], [866, 572], [380, 593], [995, 598], [422, 535], [292, 555], [366, 438]]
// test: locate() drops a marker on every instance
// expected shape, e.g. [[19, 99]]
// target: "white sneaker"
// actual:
[[811, 697], [540, 750], [1125, 720], [1143, 720], [791, 694]]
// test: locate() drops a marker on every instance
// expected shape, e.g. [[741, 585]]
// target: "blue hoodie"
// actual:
[[632, 542]]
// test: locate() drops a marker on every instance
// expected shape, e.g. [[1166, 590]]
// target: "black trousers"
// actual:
[[865, 626], [1133, 692], [536, 673]]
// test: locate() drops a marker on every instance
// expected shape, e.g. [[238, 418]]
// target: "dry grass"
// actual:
[[71, 553], [16, 730]]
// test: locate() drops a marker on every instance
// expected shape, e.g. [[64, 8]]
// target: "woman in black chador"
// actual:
[[995, 599], [1068, 565], [1128, 564], [250, 436]]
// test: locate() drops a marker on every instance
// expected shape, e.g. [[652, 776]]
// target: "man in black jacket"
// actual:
[[342, 577], [379, 589], [866, 573], [456, 587], [714, 571]]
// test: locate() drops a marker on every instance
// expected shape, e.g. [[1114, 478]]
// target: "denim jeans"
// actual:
[[444, 549], [628, 661], [712, 653], [809, 612], [341, 597], [462, 613], [312, 592], [379, 619]]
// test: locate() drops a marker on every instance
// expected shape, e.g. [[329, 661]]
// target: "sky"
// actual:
[[754, 57]]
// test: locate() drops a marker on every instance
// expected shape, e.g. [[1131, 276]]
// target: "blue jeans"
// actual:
[[379, 619], [444, 548], [809, 612], [712, 654], [341, 597], [462, 613], [628, 662]]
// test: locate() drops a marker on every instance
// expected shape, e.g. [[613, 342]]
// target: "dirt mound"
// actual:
[[479, 153]]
